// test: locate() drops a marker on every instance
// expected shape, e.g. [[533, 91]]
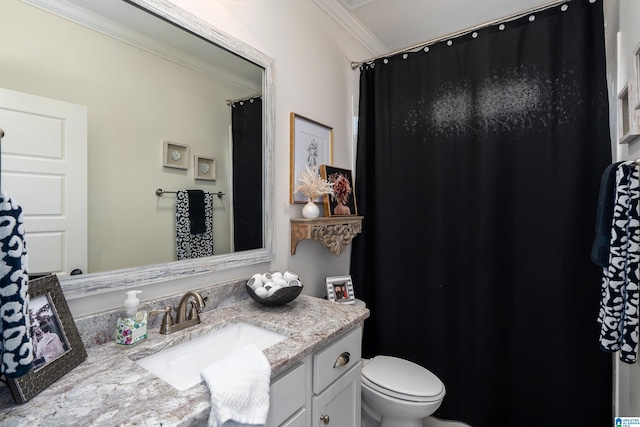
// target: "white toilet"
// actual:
[[399, 393]]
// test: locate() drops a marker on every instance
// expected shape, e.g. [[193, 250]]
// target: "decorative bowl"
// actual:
[[279, 297]]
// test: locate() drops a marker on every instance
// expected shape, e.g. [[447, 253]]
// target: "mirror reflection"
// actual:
[[145, 84]]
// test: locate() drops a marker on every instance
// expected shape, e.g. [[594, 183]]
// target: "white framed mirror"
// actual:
[[164, 33]]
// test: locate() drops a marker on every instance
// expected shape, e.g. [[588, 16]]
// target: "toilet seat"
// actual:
[[402, 379]]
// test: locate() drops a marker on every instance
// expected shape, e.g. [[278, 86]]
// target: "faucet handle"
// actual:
[[167, 320], [193, 312]]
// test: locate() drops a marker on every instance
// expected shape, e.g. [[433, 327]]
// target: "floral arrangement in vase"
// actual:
[[312, 186]]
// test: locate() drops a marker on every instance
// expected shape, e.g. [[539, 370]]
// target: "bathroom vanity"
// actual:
[[315, 374]]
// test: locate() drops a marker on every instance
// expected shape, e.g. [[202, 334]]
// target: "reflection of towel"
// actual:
[[239, 387], [16, 348], [190, 244], [618, 314], [197, 214]]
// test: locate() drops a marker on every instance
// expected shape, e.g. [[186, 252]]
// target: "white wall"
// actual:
[[313, 78]]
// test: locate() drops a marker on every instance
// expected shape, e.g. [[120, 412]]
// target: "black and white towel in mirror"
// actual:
[[194, 224]]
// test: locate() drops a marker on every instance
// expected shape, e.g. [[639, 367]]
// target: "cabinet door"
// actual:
[[339, 404], [286, 394], [298, 420]]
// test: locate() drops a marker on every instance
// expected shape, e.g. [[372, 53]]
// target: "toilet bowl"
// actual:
[[399, 393]]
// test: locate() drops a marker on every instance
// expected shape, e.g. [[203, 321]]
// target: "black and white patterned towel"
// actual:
[[618, 315], [189, 245], [16, 347]]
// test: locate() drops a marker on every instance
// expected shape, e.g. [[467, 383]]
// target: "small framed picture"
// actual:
[[175, 155], [340, 289], [628, 116], [204, 167], [57, 347], [311, 144], [343, 200], [636, 54]]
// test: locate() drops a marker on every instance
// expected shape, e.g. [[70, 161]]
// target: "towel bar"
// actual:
[[160, 192]]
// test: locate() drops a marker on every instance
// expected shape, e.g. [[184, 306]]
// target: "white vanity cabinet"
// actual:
[[336, 382], [323, 389], [288, 398]]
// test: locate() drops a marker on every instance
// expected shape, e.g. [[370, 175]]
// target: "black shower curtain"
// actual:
[[477, 173], [246, 128]]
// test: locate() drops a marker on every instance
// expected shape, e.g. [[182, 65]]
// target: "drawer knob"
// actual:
[[325, 419], [342, 360]]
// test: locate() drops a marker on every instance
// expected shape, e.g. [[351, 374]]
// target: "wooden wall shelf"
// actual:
[[334, 233]]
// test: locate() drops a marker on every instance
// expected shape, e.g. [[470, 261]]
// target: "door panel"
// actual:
[[44, 168]]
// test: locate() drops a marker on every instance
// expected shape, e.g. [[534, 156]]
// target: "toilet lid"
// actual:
[[401, 378]]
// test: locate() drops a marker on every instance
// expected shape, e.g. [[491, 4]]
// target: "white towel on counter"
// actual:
[[239, 387]]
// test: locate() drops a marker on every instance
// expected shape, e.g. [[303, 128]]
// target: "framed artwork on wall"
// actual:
[[340, 289], [636, 61], [343, 200], [175, 155], [628, 116], [311, 144], [57, 346], [636, 56], [204, 167]]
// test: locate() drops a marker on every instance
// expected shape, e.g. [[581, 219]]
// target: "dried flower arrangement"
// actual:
[[311, 185]]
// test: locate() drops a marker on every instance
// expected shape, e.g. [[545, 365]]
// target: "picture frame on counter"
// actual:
[[340, 289], [311, 144], [57, 346]]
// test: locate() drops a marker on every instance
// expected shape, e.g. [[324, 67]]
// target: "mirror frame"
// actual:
[[102, 282]]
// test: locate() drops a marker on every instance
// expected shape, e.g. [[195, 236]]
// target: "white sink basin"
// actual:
[[181, 365]]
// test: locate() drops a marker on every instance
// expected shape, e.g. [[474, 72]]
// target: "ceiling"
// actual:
[[397, 24]]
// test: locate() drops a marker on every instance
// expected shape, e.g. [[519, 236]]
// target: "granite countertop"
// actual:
[[110, 389]]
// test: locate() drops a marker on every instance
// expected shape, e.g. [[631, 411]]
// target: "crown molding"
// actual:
[[342, 16]]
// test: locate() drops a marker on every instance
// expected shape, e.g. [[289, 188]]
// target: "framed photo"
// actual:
[[175, 155], [628, 116], [340, 289], [57, 346], [311, 145], [343, 200], [636, 54], [204, 167]]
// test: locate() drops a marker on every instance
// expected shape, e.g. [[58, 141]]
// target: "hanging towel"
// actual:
[[618, 315], [197, 215], [16, 347], [604, 216], [190, 244], [239, 387]]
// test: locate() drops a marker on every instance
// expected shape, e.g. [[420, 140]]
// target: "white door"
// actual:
[[44, 168]]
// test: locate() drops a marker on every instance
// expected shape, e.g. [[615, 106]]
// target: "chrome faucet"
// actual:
[[183, 320]]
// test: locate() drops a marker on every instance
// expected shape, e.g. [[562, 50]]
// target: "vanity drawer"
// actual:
[[336, 359], [286, 395]]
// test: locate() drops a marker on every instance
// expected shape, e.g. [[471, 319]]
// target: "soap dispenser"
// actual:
[[131, 327]]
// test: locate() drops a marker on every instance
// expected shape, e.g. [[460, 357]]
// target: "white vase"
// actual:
[[310, 210]]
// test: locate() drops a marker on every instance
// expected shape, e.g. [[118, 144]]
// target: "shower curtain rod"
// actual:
[[515, 16], [233, 101]]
